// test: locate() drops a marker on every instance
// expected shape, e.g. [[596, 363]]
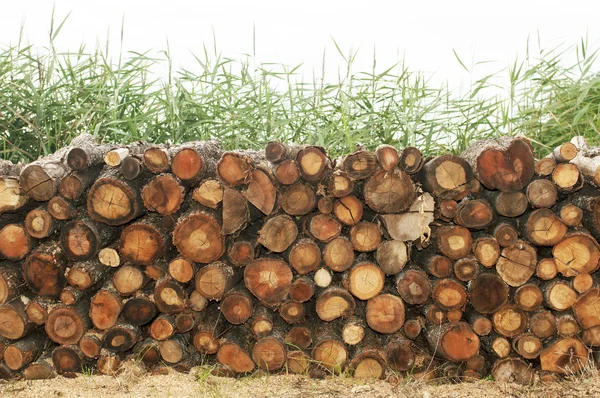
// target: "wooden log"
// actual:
[[278, 233], [302, 289], [392, 256], [15, 243], [90, 343], [299, 336], [105, 307], [454, 242], [298, 362], [353, 330], [12, 196], [42, 369], [528, 297], [276, 151], [69, 295], [348, 209], [455, 342], [388, 157], [323, 227], [567, 326], [325, 205], [339, 184], [205, 337], [269, 280], [313, 163], [571, 215], [261, 191], [242, 253], [413, 286], [121, 337], [497, 345], [129, 279], [449, 294], [368, 359], [506, 163], [567, 178], [163, 327], [505, 234], [38, 307], [565, 356], [559, 295], [488, 293], [83, 238], [43, 270], [176, 349], [299, 199], [338, 254], [517, 263], [546, 269], [236, 213], [108, 364], [232, 351], [576, 253], [474, 214], [513, 370], [411, 160], [181, 269], [542, 193], [114, 201], [360, 164], [582, 283], [365, 236], [163, 194], [323, 278], [67, 324], [587, 160], [543, 228], [109, 256], [590, 204], [399, 354], [543, 324], [385, 313], [40, 178], [435, 264], [466, 269], [140, 309], [170, 296], [11, 282], [209, 193], [334, 302], [147, 352], [287, 172], [528, 345], [237, 305], [507, 204], [85, 152], [186, 321], [304, 256], [389, 192], [329, 351], [509, 321], [261, 322], [447, 177], [365, 280], [193, 161], [68, 360], [482, 325], [215, 279], [157, 159], [292, 312], [270, 352], [198, 237], [84, 275], [21, 353], [132, 167], [40, 224]]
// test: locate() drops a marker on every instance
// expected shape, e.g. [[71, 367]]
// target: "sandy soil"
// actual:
[[136, 384]]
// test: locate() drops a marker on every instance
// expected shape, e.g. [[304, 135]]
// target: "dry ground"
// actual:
[[133, 383]]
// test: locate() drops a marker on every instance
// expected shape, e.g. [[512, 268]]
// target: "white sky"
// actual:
[[424, 33]]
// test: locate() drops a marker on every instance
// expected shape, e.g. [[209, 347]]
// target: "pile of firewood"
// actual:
[[287, 260]]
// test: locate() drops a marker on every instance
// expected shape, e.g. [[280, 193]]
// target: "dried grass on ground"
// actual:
[[133, 382]]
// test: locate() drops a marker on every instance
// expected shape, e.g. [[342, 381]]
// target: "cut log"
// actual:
[[298, 362], [389, 192], [68, 360], [586, 309], [105, 307], [299, 199], [474, 214], [299, 336], [567, 178], [83, 238], [287, 172], [11, 282], [576, 253], [559, 295], [338, 254], [12, 196], [302, 289], [528, 297], [84, 275], [91, 343], [411, 160], [313, 163], [565, 356], [113, 201], [261, 323], [506, 163], [542, 324], [61, 209], [42, 369], [278, 233], [193, 161], [413, 286], [261, 192], [582, 283], [486, 251], [339, 184], [466, 269], [44, 270], [198, 237], [365, 236], [528, 345], [14, 323], [543, 228], [74, 184], [542, 193], [509, 321], [505, 234], [232, 352], [571, 215], [237, 306], [353, 330], [170, 296], [517, 264], [242, 253], [270, 353], [567, 326], [236, 213], [449, 294], [435, 264], [322, 278], [447, 177], [329, 351], [454, 242], [206, 336], [140, 309], [508, 204], [109, 256], [209, 193], [129, 279], [324, 227], [546, 269], [269, 280], [455, 342], [40, 224], [365, 280], [163, 327], [325, 205], [40, 179], [385, 313], [176, 349], [388, 157], [392, 256], [399, 354], [513, 370], [305, 256], [215, 279], [334, 302], [488, 293], [163, 194], [359, 165], [67, 324], [348, 209], [15, 243]]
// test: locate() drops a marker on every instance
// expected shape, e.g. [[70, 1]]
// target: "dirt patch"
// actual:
[[134, 383]]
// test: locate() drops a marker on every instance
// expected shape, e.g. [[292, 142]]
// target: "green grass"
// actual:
[[48, 97]]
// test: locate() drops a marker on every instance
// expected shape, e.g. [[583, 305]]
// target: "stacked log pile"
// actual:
[[287, 260]]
